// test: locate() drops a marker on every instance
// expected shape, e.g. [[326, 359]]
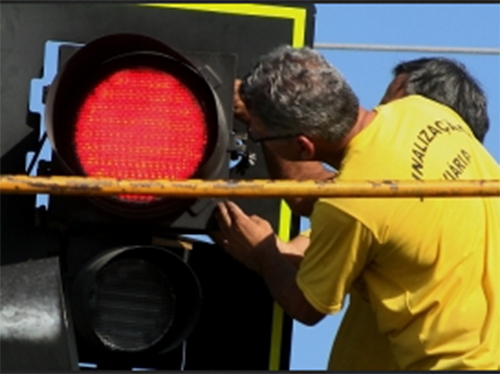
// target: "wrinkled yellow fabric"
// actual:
[[358, 344], [430, 267]]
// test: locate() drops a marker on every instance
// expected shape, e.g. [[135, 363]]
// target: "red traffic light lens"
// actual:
[[140, 123]]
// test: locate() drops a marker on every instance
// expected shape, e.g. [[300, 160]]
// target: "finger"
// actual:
[[237, 84], [223, 216], [235, 212], [225, 223], [234, 209]]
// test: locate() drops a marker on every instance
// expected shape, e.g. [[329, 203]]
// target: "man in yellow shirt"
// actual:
[[409, 253], [440, 79], [358, 344]]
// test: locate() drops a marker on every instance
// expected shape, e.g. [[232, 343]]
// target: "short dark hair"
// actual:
[[296, 90], [448, 82]]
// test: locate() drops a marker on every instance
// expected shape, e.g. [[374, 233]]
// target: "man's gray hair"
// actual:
[[295, 90]]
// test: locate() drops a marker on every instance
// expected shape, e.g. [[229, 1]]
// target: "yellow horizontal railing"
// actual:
[[61, 185]]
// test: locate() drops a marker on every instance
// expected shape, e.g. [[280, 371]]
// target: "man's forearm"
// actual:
[[279, 275], [294, 250]]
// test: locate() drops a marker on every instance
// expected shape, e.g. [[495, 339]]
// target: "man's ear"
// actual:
[[307, 149], [401, 82], [396, 89]]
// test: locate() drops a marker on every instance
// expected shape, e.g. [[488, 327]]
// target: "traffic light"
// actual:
[[127, 106], [140, 299], [141, 92]]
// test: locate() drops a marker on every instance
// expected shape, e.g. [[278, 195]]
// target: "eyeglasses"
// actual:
[[270, 137]]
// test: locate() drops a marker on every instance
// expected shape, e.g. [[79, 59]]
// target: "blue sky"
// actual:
[[369, 72]]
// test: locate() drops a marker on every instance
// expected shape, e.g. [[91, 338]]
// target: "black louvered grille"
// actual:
[[132, 305]]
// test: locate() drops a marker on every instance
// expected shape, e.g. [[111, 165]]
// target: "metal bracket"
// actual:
[[239, 151]]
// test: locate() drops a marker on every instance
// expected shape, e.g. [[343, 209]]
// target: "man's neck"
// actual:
[[334, 158]]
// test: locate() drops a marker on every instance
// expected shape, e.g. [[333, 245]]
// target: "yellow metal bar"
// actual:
[[60, 185]]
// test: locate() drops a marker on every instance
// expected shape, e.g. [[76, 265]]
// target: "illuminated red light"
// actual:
[[140, 123]]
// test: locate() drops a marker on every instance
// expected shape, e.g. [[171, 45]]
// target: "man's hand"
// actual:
[[242, 236], [251, 241], [239, 108], [254, 231]]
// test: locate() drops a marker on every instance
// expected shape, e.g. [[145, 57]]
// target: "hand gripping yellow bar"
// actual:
[[259, 188]]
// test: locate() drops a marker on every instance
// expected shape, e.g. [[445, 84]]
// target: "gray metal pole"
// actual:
[[406, 48]]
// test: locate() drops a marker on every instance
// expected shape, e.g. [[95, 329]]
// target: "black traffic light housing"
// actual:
[[108, 314], [222, 41]]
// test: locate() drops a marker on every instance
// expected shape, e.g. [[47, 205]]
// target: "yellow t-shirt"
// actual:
[[431, 266], [358, 343]]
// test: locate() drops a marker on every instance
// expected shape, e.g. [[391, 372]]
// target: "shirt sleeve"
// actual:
[[339, 250]]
